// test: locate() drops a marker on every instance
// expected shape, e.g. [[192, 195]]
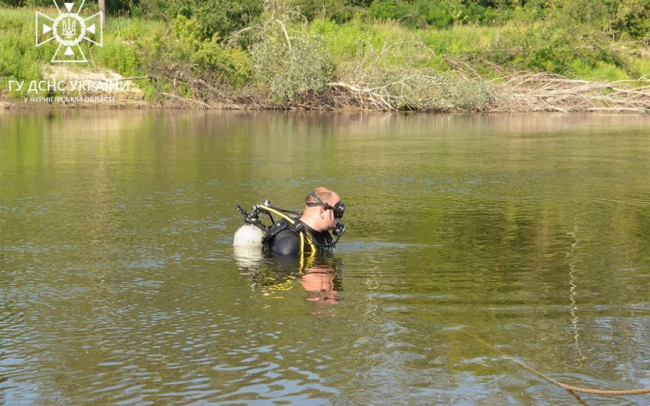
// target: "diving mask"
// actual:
[[338, 209]]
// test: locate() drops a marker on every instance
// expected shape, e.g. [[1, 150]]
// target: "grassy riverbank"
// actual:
[[283, 60]]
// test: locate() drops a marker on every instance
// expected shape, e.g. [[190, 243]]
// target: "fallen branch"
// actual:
[[185, 99], [135, 78], [551, 92]]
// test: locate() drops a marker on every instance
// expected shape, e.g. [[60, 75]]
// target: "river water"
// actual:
[[470, 239]]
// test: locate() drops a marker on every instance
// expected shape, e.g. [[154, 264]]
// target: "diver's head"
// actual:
[[323, 209]]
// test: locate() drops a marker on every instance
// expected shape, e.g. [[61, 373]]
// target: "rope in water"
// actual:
[[548, 378]]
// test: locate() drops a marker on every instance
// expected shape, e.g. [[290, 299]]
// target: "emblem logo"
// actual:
[[69, 29]]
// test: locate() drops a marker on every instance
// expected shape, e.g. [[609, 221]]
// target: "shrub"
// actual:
[[224, 66], [339, 11], [633, 18], [290, 67], [221, 17], [181, 62], [438, 14]]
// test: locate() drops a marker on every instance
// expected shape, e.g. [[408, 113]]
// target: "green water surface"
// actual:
[[527, 233]]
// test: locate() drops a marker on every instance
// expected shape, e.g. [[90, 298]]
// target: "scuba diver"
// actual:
[[289, 241], [323, 209], [296, 234]]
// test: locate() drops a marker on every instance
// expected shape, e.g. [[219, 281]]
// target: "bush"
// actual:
[[290, 67], [221, 17], [221, 66], [181, 62], [553, 47], [438, 14], [339, 11], [632, 17]]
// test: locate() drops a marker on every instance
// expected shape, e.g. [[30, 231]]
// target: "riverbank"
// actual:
[[280, 62]]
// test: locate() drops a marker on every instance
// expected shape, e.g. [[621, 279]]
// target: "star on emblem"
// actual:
[[69, 29]]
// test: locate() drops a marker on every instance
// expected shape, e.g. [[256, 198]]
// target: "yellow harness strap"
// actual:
[[303, 233]]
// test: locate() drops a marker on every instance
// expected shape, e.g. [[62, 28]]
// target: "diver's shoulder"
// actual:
[[286, 242]]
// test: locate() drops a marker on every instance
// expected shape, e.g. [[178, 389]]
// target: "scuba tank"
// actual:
[[248, 245], [248, 238], [249, 235], [247, 241], [252, 232]]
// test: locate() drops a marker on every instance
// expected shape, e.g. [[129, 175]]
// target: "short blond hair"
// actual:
[[323, 193]]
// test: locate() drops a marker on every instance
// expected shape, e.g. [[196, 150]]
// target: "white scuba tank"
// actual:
[[247, 244], [248, 235]]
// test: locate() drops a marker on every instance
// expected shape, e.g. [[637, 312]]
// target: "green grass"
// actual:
[[127, 41], [601, 71], [20, 60]]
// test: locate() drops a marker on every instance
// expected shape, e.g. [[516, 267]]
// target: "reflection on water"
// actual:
[[323, 284], [119, 285], [320, 277]]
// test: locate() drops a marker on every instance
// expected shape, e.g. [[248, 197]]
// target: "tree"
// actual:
[[102, 9]]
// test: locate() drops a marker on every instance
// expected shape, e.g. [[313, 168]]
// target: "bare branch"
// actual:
[[186, 99]]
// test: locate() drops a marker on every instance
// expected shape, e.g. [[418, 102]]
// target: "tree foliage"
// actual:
[[220, 17], [223, 17]]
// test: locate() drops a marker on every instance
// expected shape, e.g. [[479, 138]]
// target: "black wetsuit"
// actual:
[[284, 239]]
